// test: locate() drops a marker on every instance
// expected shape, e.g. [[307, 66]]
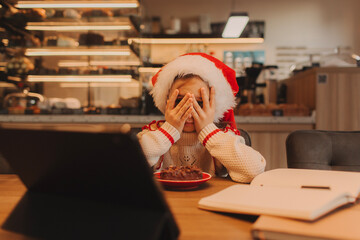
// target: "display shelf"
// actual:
[[97, 84], [79, 26], [84, 24], [78, 4], [79, 51], [80, 78], [82, 44], [198, 40], [72, 63]]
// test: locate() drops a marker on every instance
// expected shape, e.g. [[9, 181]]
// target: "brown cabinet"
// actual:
[[334, 93]]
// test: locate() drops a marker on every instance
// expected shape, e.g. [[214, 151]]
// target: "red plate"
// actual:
[[183, 184]]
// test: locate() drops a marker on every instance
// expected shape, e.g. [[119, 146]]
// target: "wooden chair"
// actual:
[[246, 136]]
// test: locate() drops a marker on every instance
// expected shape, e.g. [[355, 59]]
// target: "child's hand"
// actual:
[[177, 115], [204, 116]]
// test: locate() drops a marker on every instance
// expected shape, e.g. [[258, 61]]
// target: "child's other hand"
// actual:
[[177, 115], [204, 116]]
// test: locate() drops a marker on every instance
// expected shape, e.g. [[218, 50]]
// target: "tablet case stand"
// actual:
[[78, 188], [56, 217]]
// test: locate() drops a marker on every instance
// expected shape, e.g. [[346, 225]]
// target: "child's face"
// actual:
[[189, 85]]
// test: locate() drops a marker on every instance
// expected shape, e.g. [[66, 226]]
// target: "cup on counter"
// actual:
[[193, 27]]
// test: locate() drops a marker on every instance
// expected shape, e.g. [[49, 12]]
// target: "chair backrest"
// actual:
[[246, 136], [328, 150]]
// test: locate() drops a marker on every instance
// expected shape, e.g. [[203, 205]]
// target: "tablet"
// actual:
[[99, 168]]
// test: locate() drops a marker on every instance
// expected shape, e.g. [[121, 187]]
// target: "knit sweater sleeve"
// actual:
[[156, 141], [242, 162]]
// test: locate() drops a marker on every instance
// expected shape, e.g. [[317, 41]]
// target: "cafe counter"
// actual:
[[268, 134]]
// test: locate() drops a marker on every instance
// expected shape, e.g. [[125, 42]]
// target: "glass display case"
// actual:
[[81, 52]]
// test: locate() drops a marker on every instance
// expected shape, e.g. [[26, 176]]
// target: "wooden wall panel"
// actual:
[[301, 89], [272, 147], [338, 101], [333, 92], [326, 101]]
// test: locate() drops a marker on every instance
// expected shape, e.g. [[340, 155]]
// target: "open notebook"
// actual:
[[294, 193]]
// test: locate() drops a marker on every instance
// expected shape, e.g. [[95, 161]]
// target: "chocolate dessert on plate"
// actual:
[[181, 173]]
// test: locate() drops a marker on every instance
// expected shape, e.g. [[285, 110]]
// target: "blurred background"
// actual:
[[296, 62]]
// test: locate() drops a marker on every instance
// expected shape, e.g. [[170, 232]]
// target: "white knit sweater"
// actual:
[[215, 151]]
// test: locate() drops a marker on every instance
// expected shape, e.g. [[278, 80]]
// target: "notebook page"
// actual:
[[321, 179]]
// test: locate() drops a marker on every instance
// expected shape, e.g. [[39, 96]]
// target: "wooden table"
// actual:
[[11, 191], [193, 222]]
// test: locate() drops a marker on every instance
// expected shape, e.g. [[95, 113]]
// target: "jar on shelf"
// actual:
[[156, 25]]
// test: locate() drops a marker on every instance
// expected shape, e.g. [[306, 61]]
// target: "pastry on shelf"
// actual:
[[59, 103], [124, 12], [51, 41], [133, 102], [113, 109], [72, 13], [19, 41], [16, 110], [92, 110], [59, 13], [68, 71], [94, 72], [272, 110], [90, 39], [49, 12], [97, 13], [23, 16], [112, 42], [260, 110], [61, 41], [294, 109], [36, 14], [43, 71], [19, 66]]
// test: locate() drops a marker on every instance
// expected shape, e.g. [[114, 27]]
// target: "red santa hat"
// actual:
[[211, 70]]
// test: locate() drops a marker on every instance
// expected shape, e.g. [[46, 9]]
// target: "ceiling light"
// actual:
[[235, 25]]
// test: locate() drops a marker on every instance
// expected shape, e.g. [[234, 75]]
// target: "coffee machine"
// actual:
[[248, 84]]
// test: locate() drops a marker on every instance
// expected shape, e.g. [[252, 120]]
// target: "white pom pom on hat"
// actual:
[[211, 70]]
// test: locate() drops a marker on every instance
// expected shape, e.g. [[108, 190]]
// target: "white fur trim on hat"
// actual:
[[198, 65]]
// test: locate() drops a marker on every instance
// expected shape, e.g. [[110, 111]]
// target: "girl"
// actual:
[[196, 92]]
